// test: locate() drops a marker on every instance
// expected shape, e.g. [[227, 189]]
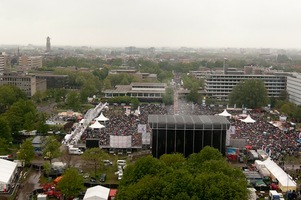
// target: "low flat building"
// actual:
[[54, 81], [142, 91], [26, 82]]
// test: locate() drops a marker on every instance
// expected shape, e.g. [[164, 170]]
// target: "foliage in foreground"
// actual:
[[205, 175]]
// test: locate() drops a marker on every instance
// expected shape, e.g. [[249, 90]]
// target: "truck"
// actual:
[[75, 151]]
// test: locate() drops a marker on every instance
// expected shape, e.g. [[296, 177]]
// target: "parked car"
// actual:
[[86, 175], [103, 178], [107, 162]]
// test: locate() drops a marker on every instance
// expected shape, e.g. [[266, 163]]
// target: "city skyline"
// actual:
[[153, 23]]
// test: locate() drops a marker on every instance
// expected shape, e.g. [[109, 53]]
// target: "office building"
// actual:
[[187, 134], [294, 88], [27, 83], [54, 81], [219, 86], [32, 62], [143, 91]]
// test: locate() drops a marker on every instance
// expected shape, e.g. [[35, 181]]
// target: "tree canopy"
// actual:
[[205, 175], [72, 183], [51, 148], [26, 152], [250, 93], [10, 94], [94, 159]]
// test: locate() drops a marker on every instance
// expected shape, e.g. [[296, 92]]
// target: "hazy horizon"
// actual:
[[153, 23]]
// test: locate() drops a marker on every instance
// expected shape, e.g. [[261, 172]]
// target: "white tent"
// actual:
[[248, 119], [97, 125], [97, 193], [285, 181], [101, 118], [8, 170], [225, 113]]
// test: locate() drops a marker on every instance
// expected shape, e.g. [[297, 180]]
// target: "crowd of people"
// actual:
[[121, 123], [259, 135]]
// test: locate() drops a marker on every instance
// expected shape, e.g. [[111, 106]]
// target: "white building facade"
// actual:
[[294, 88], [219, 86]]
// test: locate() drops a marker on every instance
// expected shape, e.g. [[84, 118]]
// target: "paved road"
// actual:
[[32, 183]]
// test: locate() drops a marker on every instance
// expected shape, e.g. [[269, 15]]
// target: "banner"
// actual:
[[141, 128]]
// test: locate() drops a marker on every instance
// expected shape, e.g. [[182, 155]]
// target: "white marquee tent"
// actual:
[[225, 113], [8, 169], [285, 181], [97, 125], [248, 119], [101, 118], [97, 193]]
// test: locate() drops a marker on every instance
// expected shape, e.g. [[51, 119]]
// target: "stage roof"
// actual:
[[184, 122]]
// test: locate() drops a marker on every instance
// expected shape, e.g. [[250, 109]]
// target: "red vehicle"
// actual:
[[274, 186]]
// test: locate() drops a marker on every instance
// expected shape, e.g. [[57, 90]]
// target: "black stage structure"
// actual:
[[187, 134]]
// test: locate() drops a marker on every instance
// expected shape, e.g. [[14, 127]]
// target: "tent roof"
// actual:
[[196, 122], [101, 118], [248, 119], [96, 125], [6, 170], [97, 193], [82, 121], [225, 113], [278, 172]]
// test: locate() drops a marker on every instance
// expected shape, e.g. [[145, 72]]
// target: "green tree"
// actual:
[[5, 130], [22, 115], [47, 168], [72, 183], [41, 125], [135, 103], [73, 100], [142, 167], [171, 177], [26, 152], [206, 154], [10, 94], [94, 159], [250, 93], [174, 161], [288, 108], [283, 96], [168, 97], [51, 148]]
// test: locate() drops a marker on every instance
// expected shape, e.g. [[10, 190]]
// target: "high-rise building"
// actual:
[[48, 45], [3, 62]]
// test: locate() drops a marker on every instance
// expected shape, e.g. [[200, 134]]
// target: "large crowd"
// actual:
[[260, 135], [122, 123]]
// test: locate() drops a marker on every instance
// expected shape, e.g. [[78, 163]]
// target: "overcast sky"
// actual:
[[157, 23]]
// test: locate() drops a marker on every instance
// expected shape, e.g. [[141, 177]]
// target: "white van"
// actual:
[[274, 195], [75, 151]]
